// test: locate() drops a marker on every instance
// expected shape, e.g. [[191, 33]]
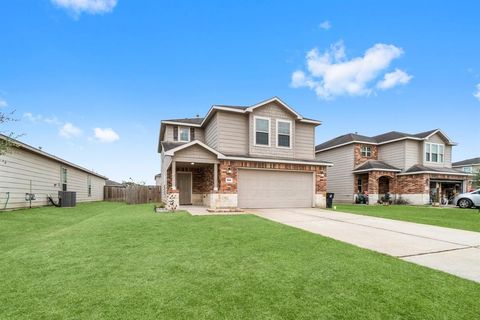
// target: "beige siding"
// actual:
[[393, 153], [232, 133], [413, 153], [340, 177], [199, 134], [20, 167], [195, 153], [274, 112], [436, 138], [211, 132], [304, 141]]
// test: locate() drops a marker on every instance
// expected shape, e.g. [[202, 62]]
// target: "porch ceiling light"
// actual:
[[192, 163]]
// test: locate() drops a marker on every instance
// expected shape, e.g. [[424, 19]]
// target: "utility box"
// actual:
[[67, 199], [330, 199]]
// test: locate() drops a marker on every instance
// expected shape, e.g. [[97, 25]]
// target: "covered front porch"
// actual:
[[376, 185]]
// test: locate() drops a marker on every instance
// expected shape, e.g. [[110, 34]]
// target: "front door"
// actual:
[[184, 184]]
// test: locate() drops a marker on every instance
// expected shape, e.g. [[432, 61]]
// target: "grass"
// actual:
[[113, 261], [466, 219]]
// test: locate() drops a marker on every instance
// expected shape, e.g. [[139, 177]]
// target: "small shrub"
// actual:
[[401, 201]]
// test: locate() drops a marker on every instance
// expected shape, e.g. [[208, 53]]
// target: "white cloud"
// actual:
[[325, 25], [88, 6], [68, 131], [3, 103], [106, 135], [477, 93], [393, 79], [33, 118], [330, 74]]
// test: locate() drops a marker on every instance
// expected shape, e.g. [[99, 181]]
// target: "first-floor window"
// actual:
[[434, 152], [64, 178], [262, 131], [359, 185], [366, 151], [89, 186]]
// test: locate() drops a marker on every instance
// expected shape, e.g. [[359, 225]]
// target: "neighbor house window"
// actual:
[[89, 186], [366, 151], [284, 132], [468, 169], [64, 178], [434, 152], [262, 131], [184, 134]]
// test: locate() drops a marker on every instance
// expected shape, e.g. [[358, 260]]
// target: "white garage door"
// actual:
[[274, 189]]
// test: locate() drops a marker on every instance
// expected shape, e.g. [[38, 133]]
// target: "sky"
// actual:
[[90, 80]]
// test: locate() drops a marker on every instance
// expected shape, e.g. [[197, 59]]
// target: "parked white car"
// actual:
[[468, 200]]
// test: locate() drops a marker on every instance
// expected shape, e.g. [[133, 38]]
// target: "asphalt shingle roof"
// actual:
[[344, 139], [381, 138], [171, 145], [467, 162], [420, 168], [375, 165], [187, 120]]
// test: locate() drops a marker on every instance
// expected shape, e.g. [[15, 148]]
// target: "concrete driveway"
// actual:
[[449, 250]]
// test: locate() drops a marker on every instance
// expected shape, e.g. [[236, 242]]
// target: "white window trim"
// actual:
[[180, 135], [291, 135], [255, 131], [438, 152], [366, 155]]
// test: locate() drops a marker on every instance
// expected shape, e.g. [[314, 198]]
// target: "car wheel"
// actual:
[[465, 203]]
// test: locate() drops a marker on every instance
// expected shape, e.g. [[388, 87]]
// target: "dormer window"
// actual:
[[284, 131], [184, 134], [262, 131], [366, 151], [434, 152]]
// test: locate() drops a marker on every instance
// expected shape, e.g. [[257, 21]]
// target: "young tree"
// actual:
[[6, 141]]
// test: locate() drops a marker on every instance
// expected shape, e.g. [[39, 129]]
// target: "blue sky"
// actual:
[[91, 80]]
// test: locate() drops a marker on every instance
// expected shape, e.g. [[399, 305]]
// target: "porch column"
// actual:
[[174, 175], [215, 177]]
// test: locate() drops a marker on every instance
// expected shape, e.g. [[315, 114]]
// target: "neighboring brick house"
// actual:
[[469, 166], [416, 167], [260, 156]]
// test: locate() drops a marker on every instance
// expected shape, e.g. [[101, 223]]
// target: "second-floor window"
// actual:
[[434, 152], [366, 151], [284, 129], [262, 131], [184, 134]]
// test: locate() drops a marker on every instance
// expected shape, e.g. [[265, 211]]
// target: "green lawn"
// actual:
[[113, 261], [466, 219]]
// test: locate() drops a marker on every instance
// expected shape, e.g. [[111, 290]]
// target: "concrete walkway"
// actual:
[[449, 250]]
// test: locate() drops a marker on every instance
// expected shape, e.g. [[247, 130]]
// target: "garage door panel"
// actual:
[[274, 189]]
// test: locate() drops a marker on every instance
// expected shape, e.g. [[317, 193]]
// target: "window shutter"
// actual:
[[175, 133], [192, 134]]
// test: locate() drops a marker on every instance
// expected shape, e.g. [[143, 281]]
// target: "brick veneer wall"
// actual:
[[233, 166], [202, 178], [373, 177], [359, 159]]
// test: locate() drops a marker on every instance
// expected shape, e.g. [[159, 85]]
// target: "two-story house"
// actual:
[[417, 167], [259, 156], [471, 166]]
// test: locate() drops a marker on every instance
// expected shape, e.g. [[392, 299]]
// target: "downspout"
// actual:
[[6, 202]]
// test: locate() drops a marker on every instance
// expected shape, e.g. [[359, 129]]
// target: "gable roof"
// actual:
[[472, 161], [172, 151], [18, 144], [375, 165], [380, 139], [200, 122]]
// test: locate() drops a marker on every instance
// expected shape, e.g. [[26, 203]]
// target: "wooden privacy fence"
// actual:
[[132, 194]]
